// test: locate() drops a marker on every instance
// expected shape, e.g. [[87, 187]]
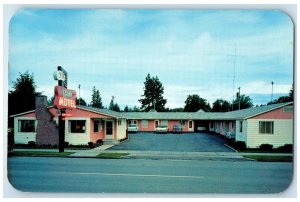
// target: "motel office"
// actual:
[[271, 124]]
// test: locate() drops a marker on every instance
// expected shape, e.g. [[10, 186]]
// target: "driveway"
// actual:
[[184, 142]]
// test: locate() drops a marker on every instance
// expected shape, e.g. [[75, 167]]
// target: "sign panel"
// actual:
[[64, 98], [63, 83], [59, 75]]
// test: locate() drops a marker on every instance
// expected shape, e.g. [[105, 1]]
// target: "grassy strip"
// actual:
[[111, 155], [38, 153], [270, 158]]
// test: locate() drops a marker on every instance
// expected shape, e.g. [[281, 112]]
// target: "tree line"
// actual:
[[22, 98]]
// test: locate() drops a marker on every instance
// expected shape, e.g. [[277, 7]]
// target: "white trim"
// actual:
[[111, 137]]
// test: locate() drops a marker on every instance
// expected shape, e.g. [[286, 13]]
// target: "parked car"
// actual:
[[133, 128], [177, 128], [162, 129], [230, 135]]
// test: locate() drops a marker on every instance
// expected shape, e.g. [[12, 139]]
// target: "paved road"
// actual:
[[187, 142], [40, 174]]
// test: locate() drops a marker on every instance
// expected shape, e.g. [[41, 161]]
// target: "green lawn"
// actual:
[[38, 153], [270, 158], [111, 155]]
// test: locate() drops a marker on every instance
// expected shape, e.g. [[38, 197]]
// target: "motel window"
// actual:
[[97, 126], [241, 126], [145, 123], [266, 127], [164, 122], [77, 126], [132, 122], [182, 122], [288, 108], [26, 125], [119, 122], [211, 124], [190, 124]]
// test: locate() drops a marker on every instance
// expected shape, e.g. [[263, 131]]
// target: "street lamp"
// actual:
[[79, 94], [272, 92]]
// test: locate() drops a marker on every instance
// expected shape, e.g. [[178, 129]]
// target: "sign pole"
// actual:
[[64, 99], [61, 131], [61, 121]]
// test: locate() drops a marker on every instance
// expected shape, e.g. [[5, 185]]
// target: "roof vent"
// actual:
[[200, 110]]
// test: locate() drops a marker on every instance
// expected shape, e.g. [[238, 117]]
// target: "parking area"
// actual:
[[183, 142]]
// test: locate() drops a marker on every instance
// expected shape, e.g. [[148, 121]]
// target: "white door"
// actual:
[[109, 130]]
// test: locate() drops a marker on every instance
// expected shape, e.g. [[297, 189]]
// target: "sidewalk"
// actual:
[[155, 155]]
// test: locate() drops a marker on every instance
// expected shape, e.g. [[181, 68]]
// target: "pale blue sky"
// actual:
[[191, 51]]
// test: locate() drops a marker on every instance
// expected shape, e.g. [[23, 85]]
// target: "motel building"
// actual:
[[270, 124]]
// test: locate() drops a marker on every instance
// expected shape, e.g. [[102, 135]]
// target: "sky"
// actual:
[[206, 52]]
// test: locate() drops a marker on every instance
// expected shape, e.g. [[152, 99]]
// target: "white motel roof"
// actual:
[[200, 115]]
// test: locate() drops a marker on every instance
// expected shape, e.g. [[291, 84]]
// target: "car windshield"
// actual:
[[177, 126], [162, 126], [132, 125]]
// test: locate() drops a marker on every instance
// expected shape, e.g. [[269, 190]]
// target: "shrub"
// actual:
[[91, 144], [99, 142], [239, 145], [66, 144], [10, 139], [286, 148], [229, 141], [31, 143], [266, 147]]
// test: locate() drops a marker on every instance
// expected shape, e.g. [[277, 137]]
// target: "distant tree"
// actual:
[[221, 105], [194, 103], [153, 95], [22, 97], [50, 101], [176, 110], [244, 102], [96, 99], [282, 99], [82, 102], [113, 106], [116, 108], [126, 109], [136, 109], [291, 93]]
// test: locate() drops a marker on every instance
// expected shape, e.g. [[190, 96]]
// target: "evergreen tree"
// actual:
[[114, 106], [194, 103], [96, 99], [82, 102], [244, 102], [22, 97], [153, 95], [126, 109]]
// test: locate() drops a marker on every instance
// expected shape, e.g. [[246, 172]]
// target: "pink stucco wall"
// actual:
[[97, 135], [83, 113], [151, 125], [275, 114]]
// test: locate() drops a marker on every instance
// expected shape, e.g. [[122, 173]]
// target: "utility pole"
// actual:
[[79, 94], [239, 96], [233, 80], [272, 92]]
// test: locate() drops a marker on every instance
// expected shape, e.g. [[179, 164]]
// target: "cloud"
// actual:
[[190, 52]]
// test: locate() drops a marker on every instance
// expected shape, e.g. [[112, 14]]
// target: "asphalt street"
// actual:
[[90, 175], [179, 142]]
